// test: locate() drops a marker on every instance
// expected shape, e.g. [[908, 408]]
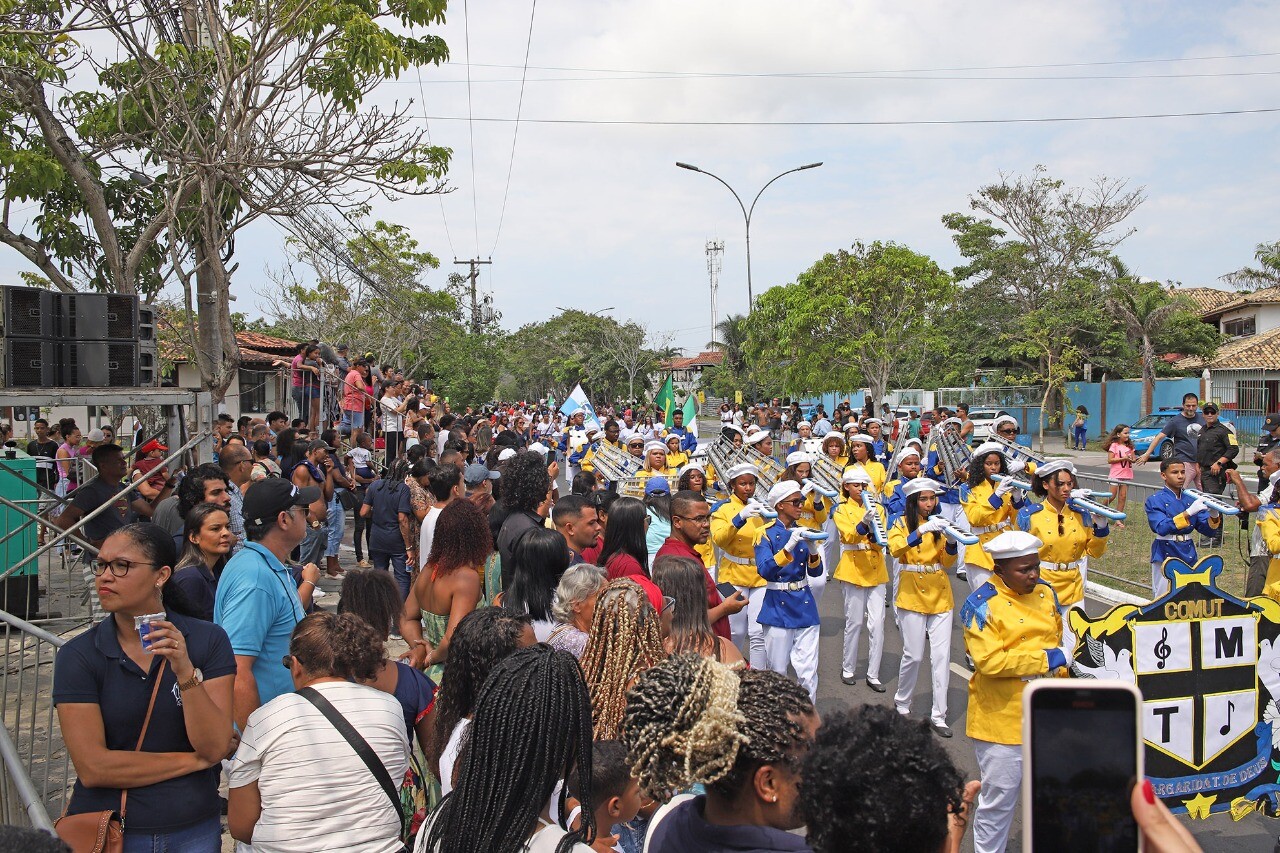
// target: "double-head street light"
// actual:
[[747, 211]]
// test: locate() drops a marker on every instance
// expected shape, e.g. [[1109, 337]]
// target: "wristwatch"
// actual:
[[315, 525], [197, 677]]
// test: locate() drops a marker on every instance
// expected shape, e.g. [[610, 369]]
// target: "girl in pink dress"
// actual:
[[1120, 454]]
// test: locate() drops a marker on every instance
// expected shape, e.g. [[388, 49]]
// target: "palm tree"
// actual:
[[1266, 274], [1144, 307], [731, 339]]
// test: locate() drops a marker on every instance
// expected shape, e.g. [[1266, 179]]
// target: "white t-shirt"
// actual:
[[449, 755], [316, 792], [392, 421], [545, 840], [361, 457], [427, 534]]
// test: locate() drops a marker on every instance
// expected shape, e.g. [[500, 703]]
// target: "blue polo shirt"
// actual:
[[92, 669], [686, 828], [257, 604]]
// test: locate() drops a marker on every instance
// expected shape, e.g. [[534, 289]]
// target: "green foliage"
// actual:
[[1265, 274], [862, 316]]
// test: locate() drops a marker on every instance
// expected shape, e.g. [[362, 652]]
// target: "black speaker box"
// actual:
[[30, 363], [99, 364]]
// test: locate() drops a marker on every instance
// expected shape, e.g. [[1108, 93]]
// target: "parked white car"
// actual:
[[982, 419]]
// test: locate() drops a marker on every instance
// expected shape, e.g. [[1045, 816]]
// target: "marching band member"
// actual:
[[761, 441], [688, 441], [635, 446], [816, 511], [861, 453], [949, 501], [1174, 516], [881, 447], [1013, 631], [863, 577], [990, 508], [676, 458], [610, 437], [1006, 426], [655, 461], [1068, 536], [804, 432], [787, 559], [581, 442], [735, 523], [733, 433], [923, 600], [833, 449]]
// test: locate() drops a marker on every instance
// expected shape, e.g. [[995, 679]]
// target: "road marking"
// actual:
[[961, 671]]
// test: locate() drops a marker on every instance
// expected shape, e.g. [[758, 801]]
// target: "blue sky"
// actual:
[[599, 216]]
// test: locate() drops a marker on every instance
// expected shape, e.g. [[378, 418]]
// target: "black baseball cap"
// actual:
[[1272, 421], [268, 498]]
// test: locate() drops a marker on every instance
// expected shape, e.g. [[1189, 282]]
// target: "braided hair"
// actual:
[[482, 638], [530, 730], [771, 704], [624, 641]]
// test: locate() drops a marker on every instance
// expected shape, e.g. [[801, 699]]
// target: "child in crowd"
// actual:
[[1120, 455], [615, 796]]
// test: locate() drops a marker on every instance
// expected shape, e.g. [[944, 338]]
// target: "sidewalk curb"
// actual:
[[1112, 596]]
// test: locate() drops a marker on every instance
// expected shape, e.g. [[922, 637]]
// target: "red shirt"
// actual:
[[676, 548], [620, 565]]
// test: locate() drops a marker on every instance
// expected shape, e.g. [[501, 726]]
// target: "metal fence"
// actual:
[[993, 396], [37, 769], [1245, 397]]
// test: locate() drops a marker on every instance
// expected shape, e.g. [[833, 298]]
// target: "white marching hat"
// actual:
[[908, 452], [757, 437], [833, 436], [987, 447], [950, 421], [1048, 469], [695, 465], [800, 456], [856, 474], [733, 427], [803, 424], [851, 425], [1013, 543], [540, 448], [1003, 419], [654, 445], [741, 469], [782, 490], [921, 484], [862, 438], [869, 421]]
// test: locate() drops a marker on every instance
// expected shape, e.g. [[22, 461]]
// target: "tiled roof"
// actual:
[[1208, 300], [702, 359], [1264, 296], [1256, 352], [266, 343], [254, 349]]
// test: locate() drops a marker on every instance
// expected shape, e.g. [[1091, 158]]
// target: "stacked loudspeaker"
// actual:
[[76, 340]]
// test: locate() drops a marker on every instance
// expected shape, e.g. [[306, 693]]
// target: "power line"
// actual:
[[876, 77], [422, 96], [471, 128], [866, 122], [516, 131]]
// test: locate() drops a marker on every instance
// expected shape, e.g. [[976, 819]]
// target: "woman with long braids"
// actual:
[[690, 720], [531, 730], [481, 640], [924, 602], [626, 639]]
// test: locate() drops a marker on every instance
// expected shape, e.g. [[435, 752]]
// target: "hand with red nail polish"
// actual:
[[1161, 831]]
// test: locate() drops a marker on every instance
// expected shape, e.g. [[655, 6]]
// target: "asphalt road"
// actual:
[[1219, 833]]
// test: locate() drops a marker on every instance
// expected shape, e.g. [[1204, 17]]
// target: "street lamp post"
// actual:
[[747, 211]]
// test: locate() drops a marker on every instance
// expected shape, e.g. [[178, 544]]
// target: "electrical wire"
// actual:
[[878, 77], [426, 124], [471, 128], [865, 122], [533, 9]]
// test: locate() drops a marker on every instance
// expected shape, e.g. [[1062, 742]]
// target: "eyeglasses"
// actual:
[[119, 568], [287, 661], [667, 603], [696, 519]]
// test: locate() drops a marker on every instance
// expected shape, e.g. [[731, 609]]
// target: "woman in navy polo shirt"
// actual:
[[103, 681]]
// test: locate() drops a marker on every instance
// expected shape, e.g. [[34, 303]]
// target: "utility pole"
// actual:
[[715, 248], [475, 305]]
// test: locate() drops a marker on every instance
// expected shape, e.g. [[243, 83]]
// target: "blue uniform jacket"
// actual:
[[880, 452], [933, 468], [895, 504], [688, 441], [786, 608], [576, 457], [1161, 509]]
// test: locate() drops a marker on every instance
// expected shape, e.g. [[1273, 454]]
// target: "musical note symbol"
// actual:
[[1162, 648], [1231, 706]]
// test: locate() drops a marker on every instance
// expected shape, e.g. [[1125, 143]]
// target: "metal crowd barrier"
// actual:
[[37, 769]]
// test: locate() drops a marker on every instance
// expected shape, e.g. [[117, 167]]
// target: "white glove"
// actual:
[[1078, 494], [808, 488], [1100, 522], [934, 525], [751, 510], [1197, 506], [1017, 466], [1019, 495], [1213, 513], [1005, 486], [796, 536]]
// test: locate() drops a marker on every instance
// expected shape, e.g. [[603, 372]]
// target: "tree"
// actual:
[[625, 344], [1147, 310], [1040, 268], [202, 119], [1265, 274], [858, 316]]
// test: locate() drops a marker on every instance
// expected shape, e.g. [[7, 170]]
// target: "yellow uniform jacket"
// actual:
[[987, 521], [861, 559], [736, 560], [1062, 553], [923, 585], [1269, 527], [815, 511], [875, 470], [1012, 638]]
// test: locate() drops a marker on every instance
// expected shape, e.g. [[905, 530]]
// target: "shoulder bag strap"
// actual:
[[146, 722], [359, 744]]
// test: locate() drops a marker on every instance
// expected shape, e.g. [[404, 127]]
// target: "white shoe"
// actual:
[[317, 594]]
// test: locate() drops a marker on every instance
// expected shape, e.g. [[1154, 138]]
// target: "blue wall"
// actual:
[[1124, 400]]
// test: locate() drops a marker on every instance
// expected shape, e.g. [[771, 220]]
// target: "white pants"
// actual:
[[1069, 638], [863, 604], [955, 514], [817, 585], [745, 626], [1000, 770], [916, 629], [977, 576], [894, 571], [1159, 583], [798, 647]]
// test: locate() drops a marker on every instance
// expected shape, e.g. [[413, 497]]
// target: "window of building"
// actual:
[[253, 390], [1240, 327]]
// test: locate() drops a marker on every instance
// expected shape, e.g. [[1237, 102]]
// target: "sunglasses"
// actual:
[[792, 502]]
